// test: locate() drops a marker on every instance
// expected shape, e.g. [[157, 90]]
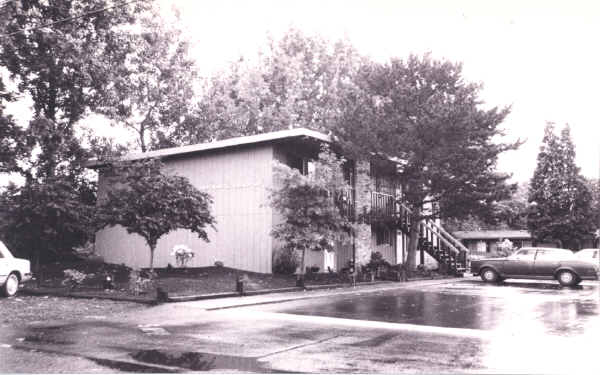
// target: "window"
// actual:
[[525, 254]]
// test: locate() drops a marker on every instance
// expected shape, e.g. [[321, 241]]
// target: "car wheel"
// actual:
[[566, 278], [489, 275], [11, 285]]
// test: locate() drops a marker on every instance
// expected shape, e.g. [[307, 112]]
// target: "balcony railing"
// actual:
[[346, 201]]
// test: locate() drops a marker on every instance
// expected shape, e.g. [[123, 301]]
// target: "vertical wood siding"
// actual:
[[238, 181]]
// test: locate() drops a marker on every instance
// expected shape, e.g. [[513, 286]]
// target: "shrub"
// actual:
[[286, 262], [377, 262], [140, 281], [182, 255], [73, 278]]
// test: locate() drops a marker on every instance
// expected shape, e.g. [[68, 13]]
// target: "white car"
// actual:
[[13, 271], [588, 255]]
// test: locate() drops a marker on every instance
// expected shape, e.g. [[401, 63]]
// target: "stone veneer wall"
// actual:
[[363, 187]]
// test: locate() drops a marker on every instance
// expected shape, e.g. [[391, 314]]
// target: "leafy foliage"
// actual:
[[312, 220], [152, 91], [49, 218], [65, 69], [13, 143], [73, 278], [297, 82], [182, 254], [421, 113], [559, 197], [285, 262], [147, 201]]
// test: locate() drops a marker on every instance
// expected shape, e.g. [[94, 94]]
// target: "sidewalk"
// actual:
[[237, 301]]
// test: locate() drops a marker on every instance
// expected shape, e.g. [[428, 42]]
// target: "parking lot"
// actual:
[[437, 326]]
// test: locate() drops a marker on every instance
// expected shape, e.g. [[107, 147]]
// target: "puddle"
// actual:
[[41, 338], [200, 361]]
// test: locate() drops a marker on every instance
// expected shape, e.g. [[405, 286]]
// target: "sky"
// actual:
[[539, 57]]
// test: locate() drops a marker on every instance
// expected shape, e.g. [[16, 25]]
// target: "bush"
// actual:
[[140, 281], [73, 278], [377, 262], [286, 262]]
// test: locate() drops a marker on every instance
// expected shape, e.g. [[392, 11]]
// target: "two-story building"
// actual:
[[238, 174]]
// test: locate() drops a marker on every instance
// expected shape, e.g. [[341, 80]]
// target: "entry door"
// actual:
[[520, 263]]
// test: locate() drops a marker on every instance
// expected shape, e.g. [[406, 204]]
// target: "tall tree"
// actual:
[[559, 198], [13, 143], [153, 90], [297, 82], [421, 113], [62, 54]]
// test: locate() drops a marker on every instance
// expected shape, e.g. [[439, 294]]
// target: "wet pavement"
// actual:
[[451, 326], [469, 304]]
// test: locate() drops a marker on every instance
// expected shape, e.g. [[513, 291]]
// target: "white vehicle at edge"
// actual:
[[13, 271]]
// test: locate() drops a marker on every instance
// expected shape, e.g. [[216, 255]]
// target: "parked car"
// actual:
[[588, 255], [536, 263], [13, 271]]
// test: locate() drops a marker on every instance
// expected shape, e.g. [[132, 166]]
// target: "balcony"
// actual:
[[346, 201], [387, 208]]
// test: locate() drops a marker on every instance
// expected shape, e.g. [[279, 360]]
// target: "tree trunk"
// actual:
[[303, 263], [413, 240], [152, 248]]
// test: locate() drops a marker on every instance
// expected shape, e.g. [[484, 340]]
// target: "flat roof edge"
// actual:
[[226, 143]]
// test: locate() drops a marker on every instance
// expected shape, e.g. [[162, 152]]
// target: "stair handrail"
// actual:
[[452, 238], [445, 232], [444, 240]]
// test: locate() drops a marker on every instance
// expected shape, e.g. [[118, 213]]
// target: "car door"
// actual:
[[519, 263], [546, 261], [3, 265]]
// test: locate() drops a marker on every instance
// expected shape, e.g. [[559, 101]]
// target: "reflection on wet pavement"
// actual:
[[536, 307]]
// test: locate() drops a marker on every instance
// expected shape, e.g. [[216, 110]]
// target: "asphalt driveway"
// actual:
[[456, 326]]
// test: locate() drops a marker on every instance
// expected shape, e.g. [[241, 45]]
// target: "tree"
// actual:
[[312, 219], [297, 82], [145, 200], [153, 90], [13, 143], [421, 113], [510, 213], [62, 54], [559, 198], [46, 220]]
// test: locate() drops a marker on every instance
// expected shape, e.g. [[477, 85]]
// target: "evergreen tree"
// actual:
[[559, 198]]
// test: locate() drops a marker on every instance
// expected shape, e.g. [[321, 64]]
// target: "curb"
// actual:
[[201, 297], [209, 296]]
